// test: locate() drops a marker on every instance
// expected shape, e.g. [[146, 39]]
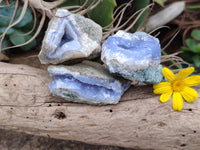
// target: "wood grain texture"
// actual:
[[139, 121]]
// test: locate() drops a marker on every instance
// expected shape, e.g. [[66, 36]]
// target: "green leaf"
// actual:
[[196, 60], [10, 31], [188, 56], [139, 4], [191, 44], [6, 15], [28, 17], [16, 39], [160, 2], [185, 49], [197, 49], [101, 14], [5, 44], [196, 34], [196, 7]]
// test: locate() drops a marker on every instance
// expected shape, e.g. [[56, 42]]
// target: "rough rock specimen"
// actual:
[[133, 56], [86, 82], [70, 36]]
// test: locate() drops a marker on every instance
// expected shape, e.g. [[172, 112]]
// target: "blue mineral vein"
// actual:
[[76, 86], [133, 56], [86, 91]]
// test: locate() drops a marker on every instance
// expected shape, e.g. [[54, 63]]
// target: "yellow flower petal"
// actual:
[[177, 101], [165, 97], [162, 87], [192, 81], [161, 84], [169, 75], [189, 94], [182, 74]]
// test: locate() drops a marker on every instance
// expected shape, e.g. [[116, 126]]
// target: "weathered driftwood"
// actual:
[[139, 121]]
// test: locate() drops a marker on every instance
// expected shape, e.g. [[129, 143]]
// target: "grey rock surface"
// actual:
[[70, 36]]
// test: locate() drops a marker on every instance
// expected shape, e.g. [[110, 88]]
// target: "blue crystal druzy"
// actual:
[[87, 82], [133, 56]]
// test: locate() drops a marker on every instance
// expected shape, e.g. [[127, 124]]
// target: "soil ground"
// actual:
[[11, 140]]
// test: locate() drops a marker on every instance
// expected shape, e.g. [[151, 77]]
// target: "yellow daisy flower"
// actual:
[[178, 87]]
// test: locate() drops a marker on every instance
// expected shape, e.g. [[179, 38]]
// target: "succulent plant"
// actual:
[[17, 34], [101, 14], [191, 53]]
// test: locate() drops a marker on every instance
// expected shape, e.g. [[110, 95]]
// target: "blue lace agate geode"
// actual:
[[70, 36], [86, 82], [133, 56]]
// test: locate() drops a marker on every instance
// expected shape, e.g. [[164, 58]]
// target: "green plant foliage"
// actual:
[[13, 33], [17, 39], [8, 12], [191, 44], [5, 44], [196, 60], [160, 2], [101, 14], [191, 53], [196, 34], [10, 31], [196, 7], [139, 4]]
